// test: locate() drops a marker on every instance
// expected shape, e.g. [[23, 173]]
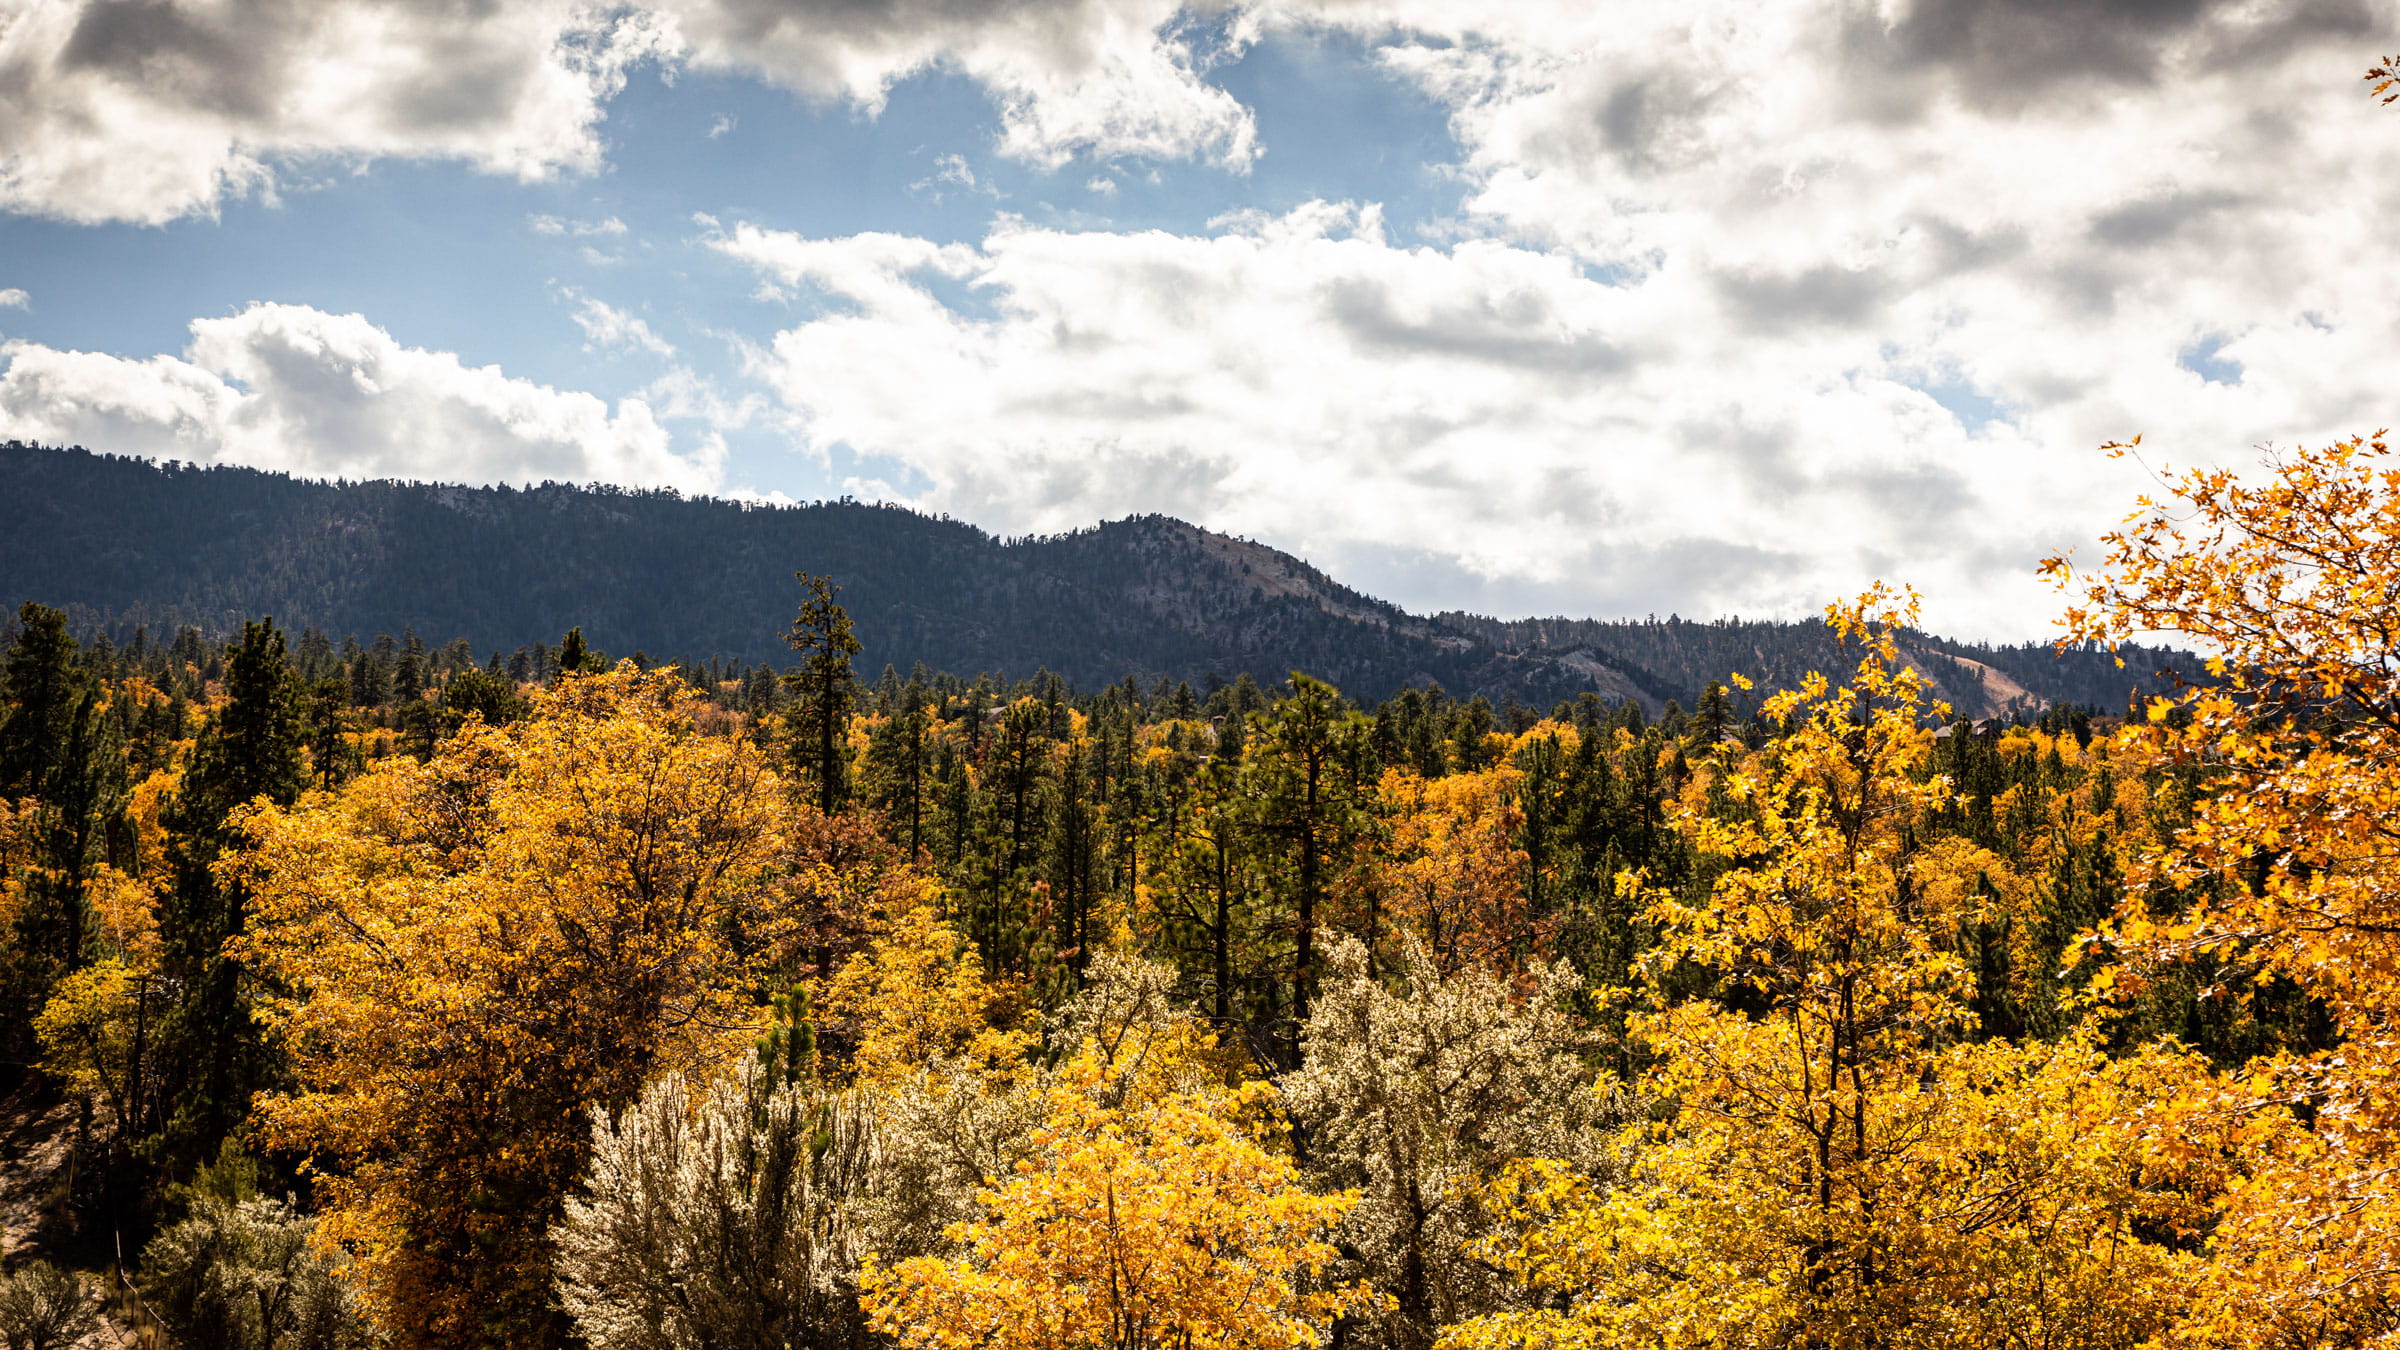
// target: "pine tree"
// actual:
[[823, 690], [573, 658], [1307, 803], [212, 1055], [62, 755], [1713, 718], [44, 682], [896, 766]]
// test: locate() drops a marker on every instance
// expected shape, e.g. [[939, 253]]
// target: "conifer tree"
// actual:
[[573, 657], [212, 1056], [1307, 803], [62, 759], [897, 762], [823, 690], [44, 682]]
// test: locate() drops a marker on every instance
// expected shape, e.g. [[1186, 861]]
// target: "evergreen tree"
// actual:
[[822, 690], [44, 682], [1470, 735], [479, 693], [329, 751], [62, 758], [896, 767], [1713, 718], [212, 1055], [1070, 865], [1308, 804], [573, 658], [409, 673]]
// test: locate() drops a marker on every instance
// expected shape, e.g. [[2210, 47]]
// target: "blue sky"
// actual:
[[1545, 308]]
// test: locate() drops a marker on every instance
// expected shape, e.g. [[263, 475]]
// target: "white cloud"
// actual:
[[148, 110], [2046, 204], [294, 389], [2042, 210], [722, 125], [871, 271], [1108, 78], [682, 394], [953, 171], [145, 110], [557, 226], [608, 328], [1738, 422], [15, 298], [1101, 185]]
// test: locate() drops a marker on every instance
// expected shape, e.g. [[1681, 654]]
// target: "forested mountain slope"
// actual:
[[118, 542], [1676, 655]]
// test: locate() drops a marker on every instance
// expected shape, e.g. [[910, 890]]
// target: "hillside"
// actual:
[[1674, 656], [119, 542]]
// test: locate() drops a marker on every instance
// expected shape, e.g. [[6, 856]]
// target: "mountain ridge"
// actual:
[[119, 541]]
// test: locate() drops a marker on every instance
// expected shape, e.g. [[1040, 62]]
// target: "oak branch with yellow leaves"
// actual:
[[2290, 578]]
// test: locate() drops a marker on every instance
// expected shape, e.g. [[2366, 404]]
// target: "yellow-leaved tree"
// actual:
[[95, 1027], [1453, 876], [1841, 1161], [2291, 581], [1143, 1221], [468, 954], [916, 1000]]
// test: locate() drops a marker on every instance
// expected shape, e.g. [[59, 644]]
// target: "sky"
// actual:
[[1532, 307]]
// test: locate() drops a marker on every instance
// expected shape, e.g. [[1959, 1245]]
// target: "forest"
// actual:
[[368, 995], [125, 546]]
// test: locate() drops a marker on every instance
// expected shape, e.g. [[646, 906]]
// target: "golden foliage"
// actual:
[[1159, 1223], [915, 996], [1452, 869], [17, 840], [87, 1030], [143, 807], [470, 952], [125, 916], [1841, 1166], [2291, 579]]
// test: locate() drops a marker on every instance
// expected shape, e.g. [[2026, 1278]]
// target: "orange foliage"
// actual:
[[1452, 871], [470, 952], [2292, 581]]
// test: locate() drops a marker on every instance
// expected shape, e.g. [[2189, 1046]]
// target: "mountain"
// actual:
[[119, 542], [1674, 657]]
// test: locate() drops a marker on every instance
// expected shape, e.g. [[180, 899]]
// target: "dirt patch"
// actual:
[[36, 1132], [1999, 692], [1282, 576]]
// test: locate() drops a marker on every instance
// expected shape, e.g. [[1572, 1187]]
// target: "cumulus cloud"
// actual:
[[1301, 378], [294, 389], [608, 328], [15, 298], [145, 110], [1101, 77], [2060, 223]]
